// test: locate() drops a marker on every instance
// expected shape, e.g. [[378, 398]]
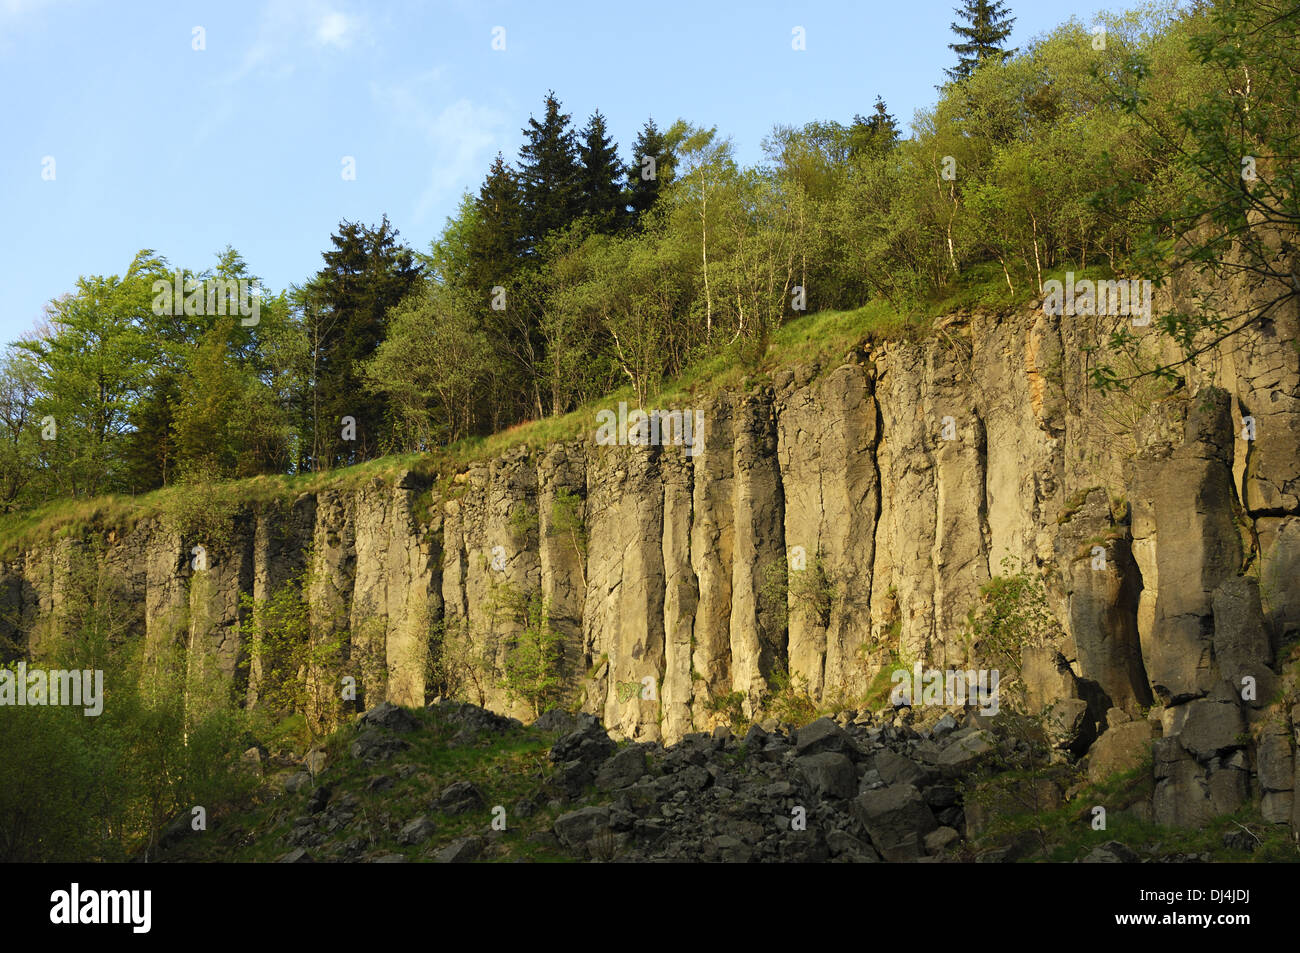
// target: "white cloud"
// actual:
[[336, 29], [286, 26], [461, 136]]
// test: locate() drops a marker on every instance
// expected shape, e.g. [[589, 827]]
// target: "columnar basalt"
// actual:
[[828, 522]]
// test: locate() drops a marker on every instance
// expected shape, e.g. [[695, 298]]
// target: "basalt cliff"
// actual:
[[898, 479]]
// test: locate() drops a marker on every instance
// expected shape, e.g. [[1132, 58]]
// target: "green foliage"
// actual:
[[788, 699], [225, 421], [731, 706], [523, 522], [1222, 206], [296, 660], [1012, 613], [459, 665], [203, 513], [809, 591], [75, 787], [533, 660], [344, 311], [567, 275], [987, 26], [568, 521]]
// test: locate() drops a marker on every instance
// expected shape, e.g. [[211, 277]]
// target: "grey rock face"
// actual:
[[819, 736], [462, 850], [417, 831], [577, 829], [390, 717], [1121, 748], [895, 481]]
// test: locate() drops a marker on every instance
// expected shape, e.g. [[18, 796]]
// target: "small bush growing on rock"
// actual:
[[732, 707], [789, 701], [532, 666], [809, 591], [294, 666], [201, 510]]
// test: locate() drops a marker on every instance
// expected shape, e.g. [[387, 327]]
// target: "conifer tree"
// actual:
[[645, 178], [988, 24], [495, 242], [549, 173], [601, 189], [345, 306], [874, 134]]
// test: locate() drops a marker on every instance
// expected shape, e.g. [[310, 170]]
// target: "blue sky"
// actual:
[[159, 145]]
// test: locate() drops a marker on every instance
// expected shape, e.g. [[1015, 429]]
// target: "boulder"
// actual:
[[576, 829], [460, 798], [896, 819], [390, 717], [375, 745], [964, 753], [460, 851], [624, 768], [1068, 726], [941, 839], [1121, 748], [416, 832], [821, 735], [1111, 852], [829, 774], [1212, 728]]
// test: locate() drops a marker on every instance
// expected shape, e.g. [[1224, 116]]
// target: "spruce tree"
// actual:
[[644, 181], [601, 188], [988, 24], [366, 273], [496, 239], [874, 134], [549, 173]]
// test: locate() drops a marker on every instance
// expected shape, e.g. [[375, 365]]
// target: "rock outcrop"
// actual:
[[826, 524]]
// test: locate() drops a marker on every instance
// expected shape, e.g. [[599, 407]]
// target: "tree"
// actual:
[[550, 174], [650, 171], [436, 369], [988, 24], [534, 657], [1233, 146], [601, 190], [19, 443], [875, 134], [708, 171], [91, 367], [344, 309], [150, 453], [227, 422], [493, 234]]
